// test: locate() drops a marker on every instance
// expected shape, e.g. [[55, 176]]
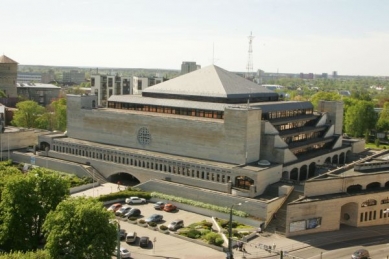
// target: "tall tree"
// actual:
[[27, 114], [80, 228], [360, 118], [25, 202], [383, 121]]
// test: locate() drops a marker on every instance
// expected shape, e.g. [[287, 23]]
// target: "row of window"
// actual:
[[372, 202], [287, 113], [169, 110], [183, 169], [305, 150], [302, 137], [372, 215]]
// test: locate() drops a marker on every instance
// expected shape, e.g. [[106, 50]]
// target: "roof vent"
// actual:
[[263, 162]]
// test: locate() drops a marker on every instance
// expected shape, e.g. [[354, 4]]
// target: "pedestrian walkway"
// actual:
[[102, 189]]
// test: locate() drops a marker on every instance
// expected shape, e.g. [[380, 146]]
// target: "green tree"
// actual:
[[59, 110], [80, 228], [325, 96], [360, 118], [26, 199], [39, 254], [27, 114], [383, 121]]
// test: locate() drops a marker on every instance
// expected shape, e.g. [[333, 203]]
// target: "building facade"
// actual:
[[24, 77], [8, 76], [43, 94], [207, 128], [73, 77], [187, 67], [104, 86]]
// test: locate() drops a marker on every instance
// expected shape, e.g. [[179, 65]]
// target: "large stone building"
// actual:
[[209, 135], [43, 94], [8, 76]]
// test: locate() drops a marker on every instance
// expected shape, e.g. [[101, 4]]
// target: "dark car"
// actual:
[[154, 218], [176, 224], [159, 205], [122, 234], [134, 212], [144, 241]]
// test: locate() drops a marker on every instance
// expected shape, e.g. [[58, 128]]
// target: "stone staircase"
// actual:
[[94, 174], [278, 224]]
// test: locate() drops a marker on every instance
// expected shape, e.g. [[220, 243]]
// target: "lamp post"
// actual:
[[118, 237], [230, 255]]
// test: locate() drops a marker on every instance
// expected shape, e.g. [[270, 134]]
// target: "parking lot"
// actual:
[[166, 245]]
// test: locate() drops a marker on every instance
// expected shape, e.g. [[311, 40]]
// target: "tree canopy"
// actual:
[[27, 114], [80, 228], [360, 118], [26, 199]]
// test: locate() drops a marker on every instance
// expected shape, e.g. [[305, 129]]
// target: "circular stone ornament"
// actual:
[[144, 136]]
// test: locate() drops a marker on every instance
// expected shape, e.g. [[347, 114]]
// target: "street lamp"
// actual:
[[230, 255], [118, 237]]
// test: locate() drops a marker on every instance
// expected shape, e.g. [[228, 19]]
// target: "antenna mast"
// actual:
[[249, 67]]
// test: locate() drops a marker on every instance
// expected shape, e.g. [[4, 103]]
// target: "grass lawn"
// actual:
[[373, 146]]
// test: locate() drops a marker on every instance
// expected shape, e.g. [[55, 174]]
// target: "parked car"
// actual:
[[114, 207], [169, 207], [123, 210], [122, 234], [154, 218], [134, 212], [131, 237], [176, 224], [159, 205], [135, 200], [361, 254], [144, 241], [124, 253]]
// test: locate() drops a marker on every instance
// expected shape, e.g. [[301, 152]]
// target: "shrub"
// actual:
[[141, 221], [206, 224], [214, 239], [193, 233], [152, 224], [132, 218], [163, 227]]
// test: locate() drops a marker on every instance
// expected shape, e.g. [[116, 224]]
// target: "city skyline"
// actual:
[[349, 37]]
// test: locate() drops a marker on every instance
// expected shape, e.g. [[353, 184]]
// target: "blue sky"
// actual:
[[291, 36]]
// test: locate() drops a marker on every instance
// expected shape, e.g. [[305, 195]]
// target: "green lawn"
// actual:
[[373, 146]]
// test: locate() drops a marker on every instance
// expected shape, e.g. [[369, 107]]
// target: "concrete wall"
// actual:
[[346, 210], [57, 165], [334, 111], [225, 141], [340, 184]]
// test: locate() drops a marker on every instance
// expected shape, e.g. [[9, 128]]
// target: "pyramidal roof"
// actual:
[[210, 81], [7, 60]]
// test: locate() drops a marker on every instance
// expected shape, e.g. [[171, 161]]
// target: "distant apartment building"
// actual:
[[307, 76], [187, 67], [43, 94], [8, 76], [141, 83], [106, 85], [27, 77], [48, 77], [73, 77]]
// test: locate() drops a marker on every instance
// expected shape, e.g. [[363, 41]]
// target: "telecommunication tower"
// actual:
[[249, 67]]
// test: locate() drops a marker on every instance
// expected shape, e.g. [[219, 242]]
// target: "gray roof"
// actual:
[[211, 81], [177, 103]]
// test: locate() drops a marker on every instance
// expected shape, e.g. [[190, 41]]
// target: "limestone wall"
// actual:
[[230, 140]]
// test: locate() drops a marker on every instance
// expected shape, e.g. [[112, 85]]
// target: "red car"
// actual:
[[114, 207], [169, 207]]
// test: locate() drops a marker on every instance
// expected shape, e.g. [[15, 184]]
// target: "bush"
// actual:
[[207, 224], [141, 221], [192, 233], [214, 239], [152, 224], [163, 227], [132, 218]]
